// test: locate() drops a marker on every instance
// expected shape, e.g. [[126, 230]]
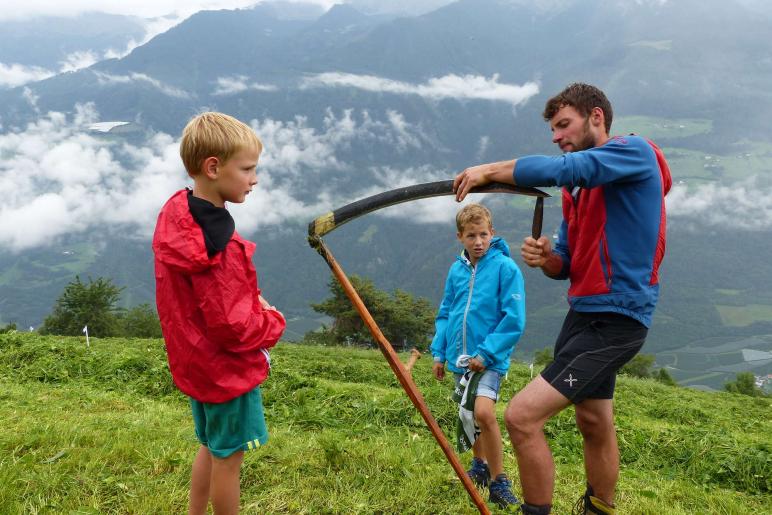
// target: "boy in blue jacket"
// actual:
[[480, 319]]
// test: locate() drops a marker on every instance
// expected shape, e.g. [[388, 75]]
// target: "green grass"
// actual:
[[741, 316], [658, 128], [102, 430]]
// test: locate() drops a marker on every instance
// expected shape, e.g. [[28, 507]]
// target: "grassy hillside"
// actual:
[[102, 430]]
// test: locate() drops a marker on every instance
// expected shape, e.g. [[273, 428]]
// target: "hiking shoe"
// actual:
[[479, 473], [589, 504], [501, 492]]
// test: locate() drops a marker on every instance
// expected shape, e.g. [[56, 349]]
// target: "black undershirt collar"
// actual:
[[216, 223]]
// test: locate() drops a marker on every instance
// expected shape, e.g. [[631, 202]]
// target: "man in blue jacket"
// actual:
[[610, 245]]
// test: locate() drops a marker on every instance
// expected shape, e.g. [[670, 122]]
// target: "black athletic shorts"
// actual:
[[590, 349]]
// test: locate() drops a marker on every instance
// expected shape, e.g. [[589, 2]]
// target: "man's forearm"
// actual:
[[553, 266], [502, 171]]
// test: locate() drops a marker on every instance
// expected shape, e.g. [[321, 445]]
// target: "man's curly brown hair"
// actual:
[[583, 98]]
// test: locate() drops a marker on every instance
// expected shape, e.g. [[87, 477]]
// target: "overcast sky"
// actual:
[[143, 8]]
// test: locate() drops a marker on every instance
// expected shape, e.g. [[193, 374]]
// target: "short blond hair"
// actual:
[[473, 213], [215, 135]]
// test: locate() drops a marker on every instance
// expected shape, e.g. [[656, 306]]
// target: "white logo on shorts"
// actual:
[[570, 380]]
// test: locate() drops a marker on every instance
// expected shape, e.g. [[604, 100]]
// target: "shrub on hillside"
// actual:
[[639, 366], [745, 384], [406, 321], [140, 322], [91, 304]]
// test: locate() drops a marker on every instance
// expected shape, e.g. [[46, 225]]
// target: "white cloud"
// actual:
[[78, 60], [107, 79], [56, 178], [746, 205], [482, 147], [142, 8], [239, 84], [466, 87], [153, 27], [31, 98], [299, 159], [12, 75]]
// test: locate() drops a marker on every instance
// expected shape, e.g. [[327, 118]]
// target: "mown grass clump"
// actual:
[[102, 430], [120, 364]]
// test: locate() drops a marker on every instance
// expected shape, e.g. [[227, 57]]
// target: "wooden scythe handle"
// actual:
[[405, 379]]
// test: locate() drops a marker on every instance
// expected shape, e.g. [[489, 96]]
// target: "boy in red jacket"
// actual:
[[217, 326]]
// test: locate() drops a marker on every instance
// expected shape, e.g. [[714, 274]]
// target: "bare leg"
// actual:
[[490, 434], [477, 448], [595, 419], [199, 482], [525, 417], [225, 489]]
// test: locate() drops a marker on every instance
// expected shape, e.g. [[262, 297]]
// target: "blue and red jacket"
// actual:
[[612, 238]]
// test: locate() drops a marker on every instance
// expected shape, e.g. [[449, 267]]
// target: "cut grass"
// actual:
[[742, 316], [111, 438]]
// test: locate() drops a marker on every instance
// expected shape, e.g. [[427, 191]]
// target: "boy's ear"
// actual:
[[210, 167], [493, 231], [458, 235]]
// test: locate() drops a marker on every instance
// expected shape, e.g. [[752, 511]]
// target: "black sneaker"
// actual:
[[588, 504], [501, 492], [479, 473], [530, 509]]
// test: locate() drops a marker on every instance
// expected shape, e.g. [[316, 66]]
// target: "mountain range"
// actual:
[[350, 102]]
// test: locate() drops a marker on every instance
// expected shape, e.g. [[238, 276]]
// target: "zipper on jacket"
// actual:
[[466, 309], [605, 261]]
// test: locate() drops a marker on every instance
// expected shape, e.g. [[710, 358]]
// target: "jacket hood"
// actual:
[[178, 240], [498, 246]]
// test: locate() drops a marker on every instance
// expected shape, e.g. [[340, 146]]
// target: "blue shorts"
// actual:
[[489, 385], [228, 427]]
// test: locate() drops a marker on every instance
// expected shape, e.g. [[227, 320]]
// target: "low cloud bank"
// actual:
[[460, 87]]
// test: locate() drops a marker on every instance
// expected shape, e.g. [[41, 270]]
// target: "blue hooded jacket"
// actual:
[[482, 313]]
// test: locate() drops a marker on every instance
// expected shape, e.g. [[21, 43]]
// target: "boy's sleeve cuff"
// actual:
[[438, 359]]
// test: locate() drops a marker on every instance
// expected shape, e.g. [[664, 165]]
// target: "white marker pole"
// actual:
[[85, 330], [531, 368]]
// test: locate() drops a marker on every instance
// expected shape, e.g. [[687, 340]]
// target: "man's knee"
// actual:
[[594, 423], [520, 424]]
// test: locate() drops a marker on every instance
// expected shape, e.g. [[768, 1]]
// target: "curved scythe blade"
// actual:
[[334, 219]]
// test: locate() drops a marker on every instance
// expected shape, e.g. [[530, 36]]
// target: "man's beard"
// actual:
[[587, 140]]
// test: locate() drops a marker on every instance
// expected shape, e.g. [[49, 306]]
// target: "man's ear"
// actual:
[[598, 117], [210, 167]]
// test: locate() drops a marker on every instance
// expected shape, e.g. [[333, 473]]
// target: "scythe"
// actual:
[[334, 219]]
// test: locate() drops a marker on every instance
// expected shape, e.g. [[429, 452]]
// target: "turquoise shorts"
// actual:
[[228, 427]]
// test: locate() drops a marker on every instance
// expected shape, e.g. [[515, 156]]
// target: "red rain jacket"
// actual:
[[216, 331]]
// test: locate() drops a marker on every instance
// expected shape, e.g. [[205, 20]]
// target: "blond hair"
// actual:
[[215, 135], [473, 213]]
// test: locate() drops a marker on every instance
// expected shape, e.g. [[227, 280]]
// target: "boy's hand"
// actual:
[[265, 304], [476, 365], [438, 369]]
